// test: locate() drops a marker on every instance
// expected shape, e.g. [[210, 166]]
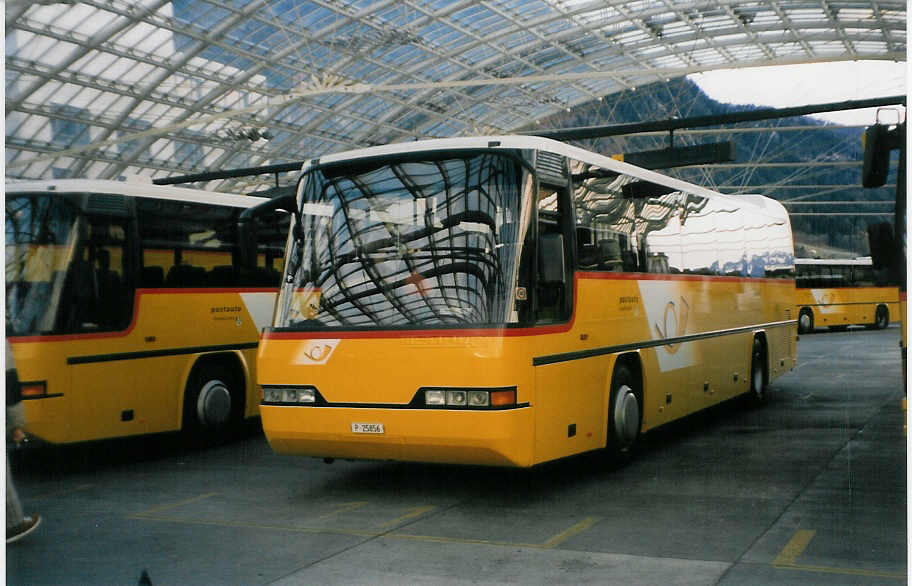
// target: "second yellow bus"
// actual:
[[838, 293]]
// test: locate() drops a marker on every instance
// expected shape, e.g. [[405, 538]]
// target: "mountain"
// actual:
[[826, 157]]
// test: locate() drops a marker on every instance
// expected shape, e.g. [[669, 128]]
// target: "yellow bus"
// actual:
[[127, 311], [838, 293], [513, 300]]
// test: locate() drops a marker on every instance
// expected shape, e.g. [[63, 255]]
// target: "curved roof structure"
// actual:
[[106, 88]]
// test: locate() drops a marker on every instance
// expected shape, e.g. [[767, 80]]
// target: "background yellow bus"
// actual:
[[838, 293], [127, 311], [513, 300]]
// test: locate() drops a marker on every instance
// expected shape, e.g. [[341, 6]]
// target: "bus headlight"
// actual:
[[435, 397], [478, 399], [456, 398], [500, 397], [289, 395]]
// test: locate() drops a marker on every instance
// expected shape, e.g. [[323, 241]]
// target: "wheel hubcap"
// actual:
[[805, 321], [626, 417], [213, 408], [757, 378]]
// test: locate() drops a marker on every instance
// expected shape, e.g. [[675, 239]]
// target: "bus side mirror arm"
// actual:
[[247, 237]]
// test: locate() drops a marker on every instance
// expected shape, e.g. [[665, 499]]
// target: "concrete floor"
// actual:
[[809, 489]]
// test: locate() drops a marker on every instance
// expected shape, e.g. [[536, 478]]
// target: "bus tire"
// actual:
[[882, 317], [213, 401], [624, 415], [805, 320], [757, 395]]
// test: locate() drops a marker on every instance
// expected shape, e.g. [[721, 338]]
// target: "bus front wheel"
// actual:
[[805, 321], [212, 403], [624, 415]]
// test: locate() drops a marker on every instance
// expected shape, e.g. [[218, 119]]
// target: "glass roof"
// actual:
[[110, 88]]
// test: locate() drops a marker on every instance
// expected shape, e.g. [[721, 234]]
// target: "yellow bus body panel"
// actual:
[[562, 373], [132, 382]]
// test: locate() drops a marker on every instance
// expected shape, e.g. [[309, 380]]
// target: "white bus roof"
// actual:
[[860, 261], [766, 204], [132, 189]]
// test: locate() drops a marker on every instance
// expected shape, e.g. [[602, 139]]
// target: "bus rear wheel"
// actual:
[[881, 318], [805, 321], [624, 415], [757, 395], [213, 407]]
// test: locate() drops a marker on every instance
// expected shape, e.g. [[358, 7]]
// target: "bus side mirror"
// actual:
[[877, 144], [883, 248], [247, 226]]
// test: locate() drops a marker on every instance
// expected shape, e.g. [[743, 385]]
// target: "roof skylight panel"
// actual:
[[786, 49], [631, 36], [477, 54], [555, 27], [716, 23], [748, 52], [469, 14], [765, 17], [871, 47], [822, 48], [322, 18], [42, 50], [855, 13], [706, 57], [806, 15], [444, 69]]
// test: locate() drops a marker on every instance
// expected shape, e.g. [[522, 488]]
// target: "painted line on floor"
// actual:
[[241, 525], [570, 532], [345, 508], [843, 571], [788, 560], [176, 505], [794, 548], [61, 493], [411, 514]]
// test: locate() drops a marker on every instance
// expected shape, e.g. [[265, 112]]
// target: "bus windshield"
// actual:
[[40, 236], [411, 242]]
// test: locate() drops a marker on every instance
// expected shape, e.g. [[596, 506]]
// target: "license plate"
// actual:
[[367, 428]]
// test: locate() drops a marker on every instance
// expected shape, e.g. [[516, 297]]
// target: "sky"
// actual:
[[818, 83]]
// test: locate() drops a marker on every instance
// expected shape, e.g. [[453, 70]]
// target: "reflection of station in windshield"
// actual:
[[417, 242]]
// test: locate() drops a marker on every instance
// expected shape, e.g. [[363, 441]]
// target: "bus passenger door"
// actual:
[[104, 392], [568, 393]]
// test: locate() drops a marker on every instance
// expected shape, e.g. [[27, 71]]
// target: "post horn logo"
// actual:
[[674, 322], [316, 351]]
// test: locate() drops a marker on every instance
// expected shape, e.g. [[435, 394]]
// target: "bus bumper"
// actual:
[[491, 438]]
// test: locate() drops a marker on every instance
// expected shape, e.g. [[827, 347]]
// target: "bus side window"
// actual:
[[553, 289], [97, 297]]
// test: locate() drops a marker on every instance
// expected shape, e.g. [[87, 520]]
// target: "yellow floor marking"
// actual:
[[410, 515], [846, 571], [565, 535], [343, 509], [787, 559], [60, 493], [434, 539], [235, 524], [794, 548], [176, 505]]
